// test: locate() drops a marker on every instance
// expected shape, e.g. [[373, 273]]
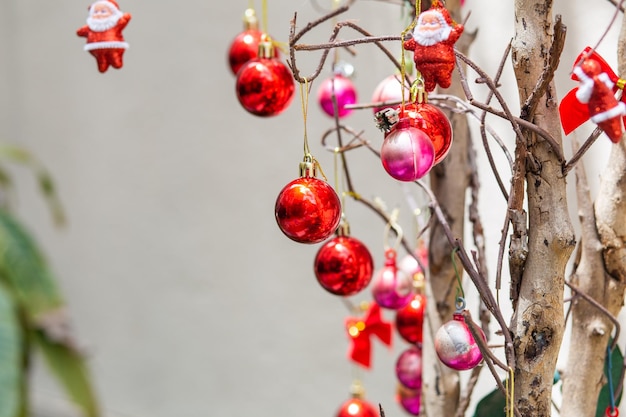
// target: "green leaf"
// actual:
[[70, 368], [617, 360], [25, 270], [12, 380], [492, 405]]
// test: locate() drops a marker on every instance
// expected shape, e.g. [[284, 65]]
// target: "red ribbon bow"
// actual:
[[574, 113], [360, 330]]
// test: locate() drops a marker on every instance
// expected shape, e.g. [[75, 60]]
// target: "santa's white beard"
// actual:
[[100, 25], [431, 37]]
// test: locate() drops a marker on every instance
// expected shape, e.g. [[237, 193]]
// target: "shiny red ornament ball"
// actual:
[[265, 85], [343, 266], [407, 152], [344, 92], [308, 210], [356, 407], [244, 48], [432, 121], [410, 319]]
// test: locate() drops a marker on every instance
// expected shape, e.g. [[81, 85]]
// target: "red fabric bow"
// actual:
[[360, 330], [573, 112]]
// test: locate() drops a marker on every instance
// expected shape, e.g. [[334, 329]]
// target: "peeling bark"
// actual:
[[537, 323]]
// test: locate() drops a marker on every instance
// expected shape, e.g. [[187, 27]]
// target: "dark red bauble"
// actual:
[[244, 48], [410, 319], [308, 210], [356, 407], [265, 86], [343, 266], [432, 121]]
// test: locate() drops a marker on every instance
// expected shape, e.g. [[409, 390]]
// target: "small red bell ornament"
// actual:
[[265, 86], [308, 209], [407, 153], [341, 88], [392, 288], [409, 368], [455, 345], [432, 42], [343, 265], [245, 46]]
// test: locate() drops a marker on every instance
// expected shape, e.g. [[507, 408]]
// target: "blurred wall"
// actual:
[[187, 297]]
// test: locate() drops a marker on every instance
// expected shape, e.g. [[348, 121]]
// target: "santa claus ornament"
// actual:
[[595, 97], [337, 91], [103, 31], [432, 42], [343, 265], [245, 46], [308, 209], [265, 86]]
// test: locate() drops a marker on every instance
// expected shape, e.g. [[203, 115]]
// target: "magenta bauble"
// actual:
[[409, 368], [356, 407], [343, 266], [389, 90], [308, 210], [410, 399], [410, 319], [344, 92], [392, 288], [455, 345], [407, 153], [265, 86]]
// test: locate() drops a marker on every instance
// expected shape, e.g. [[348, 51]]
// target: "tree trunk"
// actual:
[[537, 323]]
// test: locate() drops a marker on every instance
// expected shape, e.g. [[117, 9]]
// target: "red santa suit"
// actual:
[[596, 90], [434, 58], [106, 44]]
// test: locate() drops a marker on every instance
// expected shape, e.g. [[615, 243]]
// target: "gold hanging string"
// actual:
[[393, 224], [264, 16], [251, 4], [510, 382], [304, 99]]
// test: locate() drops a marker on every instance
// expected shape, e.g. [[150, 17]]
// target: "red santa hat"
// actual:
[[111, 3]]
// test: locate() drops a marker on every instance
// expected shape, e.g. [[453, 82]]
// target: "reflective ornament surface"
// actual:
[[389, 90], [244, 48], [344, 91], [343, 266], [409, 368], [410, 319], [455, 345], [392, 288], [407, 153], [356, 407], [308, 210], [410, 399]]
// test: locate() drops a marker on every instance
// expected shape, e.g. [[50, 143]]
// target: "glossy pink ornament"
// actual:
[[410, 400], [308, 210], [265, 85], [407, 153], [343, 266], [409, 368], [389, 90], [410, 319], [391, 288], [456, 346], [432, 121], [344, 92], [357, 407]]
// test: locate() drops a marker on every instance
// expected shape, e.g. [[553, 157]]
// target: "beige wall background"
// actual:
[[187, 297]]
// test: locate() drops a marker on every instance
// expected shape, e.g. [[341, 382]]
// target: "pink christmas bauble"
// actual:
[[455, 345], [391, 288], [410, 319], [343, 266], [389, 90], [410, 400], [245, 47], [407, 153], [432, 121], [308, 210], [344, 91], [265, 86], [409, 368], [356, 407]]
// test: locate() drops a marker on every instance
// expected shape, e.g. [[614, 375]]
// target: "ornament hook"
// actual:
[[392, 224]]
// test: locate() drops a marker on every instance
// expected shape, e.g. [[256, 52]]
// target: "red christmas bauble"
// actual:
[[344, 91], [343, 266], [455, 345], [389, 90], [308, 210], [407, 152], [356, 407], [244, 48], [410, 319], [265, 86], [432, 121]]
